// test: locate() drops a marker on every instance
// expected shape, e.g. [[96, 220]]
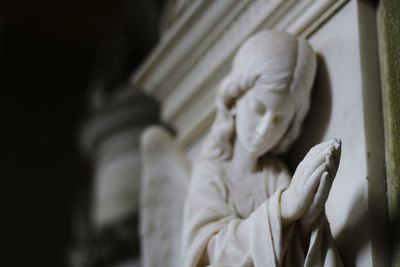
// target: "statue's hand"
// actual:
[[332, 160], [296, 199]]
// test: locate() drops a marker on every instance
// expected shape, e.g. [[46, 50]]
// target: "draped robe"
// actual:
[[227, 224]]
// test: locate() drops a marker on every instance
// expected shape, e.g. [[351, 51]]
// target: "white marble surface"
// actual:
[[242, 204]]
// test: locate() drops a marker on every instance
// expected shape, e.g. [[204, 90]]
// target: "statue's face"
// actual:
[[262, 118]]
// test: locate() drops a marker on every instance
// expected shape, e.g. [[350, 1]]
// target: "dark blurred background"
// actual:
[[53, 55]]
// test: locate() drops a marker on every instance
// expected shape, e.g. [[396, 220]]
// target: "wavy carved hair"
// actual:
[[280, 60]]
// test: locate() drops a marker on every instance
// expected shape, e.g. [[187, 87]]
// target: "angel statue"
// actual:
[[240, 206]]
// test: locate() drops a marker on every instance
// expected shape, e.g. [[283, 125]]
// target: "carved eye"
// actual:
[[257, 107], [278, 119]]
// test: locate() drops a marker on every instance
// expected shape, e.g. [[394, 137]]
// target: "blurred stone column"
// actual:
[[106, 220], [111, 138]]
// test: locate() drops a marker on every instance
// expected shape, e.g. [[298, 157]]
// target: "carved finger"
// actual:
[[332, 167], [318, 203], [318, 160], [314, 158], [328, 146], [320, 147], [337, 151], [323, 191], [315, 177], [316, 149]]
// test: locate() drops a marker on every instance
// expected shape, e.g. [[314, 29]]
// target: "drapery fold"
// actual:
[[215, 235]]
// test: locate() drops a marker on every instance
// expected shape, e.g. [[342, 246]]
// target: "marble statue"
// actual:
[[240, 206]]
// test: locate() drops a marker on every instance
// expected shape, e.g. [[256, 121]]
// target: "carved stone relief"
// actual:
[[243, 207]]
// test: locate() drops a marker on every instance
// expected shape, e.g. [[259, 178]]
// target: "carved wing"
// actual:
[[165, 179]]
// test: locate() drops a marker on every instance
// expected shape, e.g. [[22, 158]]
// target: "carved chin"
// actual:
[[258, 149]]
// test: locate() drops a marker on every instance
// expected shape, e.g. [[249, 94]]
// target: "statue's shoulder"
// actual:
[[207, 165], [207, 173]]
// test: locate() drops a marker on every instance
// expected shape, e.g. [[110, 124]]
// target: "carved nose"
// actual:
[[264, 124]]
